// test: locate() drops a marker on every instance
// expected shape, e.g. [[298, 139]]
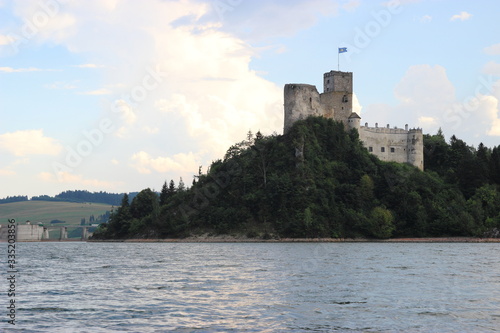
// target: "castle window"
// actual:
[[370, 149], [382, 149], [393, 150], [327, 81], [344, 99]]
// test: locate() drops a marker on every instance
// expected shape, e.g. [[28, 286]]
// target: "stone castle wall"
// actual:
[[388, 144], [394, 144]]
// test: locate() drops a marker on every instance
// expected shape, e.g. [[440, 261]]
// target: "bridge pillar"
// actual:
[[45, 234], [64, 233], [85, 233]]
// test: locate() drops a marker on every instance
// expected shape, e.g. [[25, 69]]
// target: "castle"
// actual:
[[388, 144]]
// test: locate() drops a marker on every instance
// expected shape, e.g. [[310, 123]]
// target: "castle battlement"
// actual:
[[388, 144], [389, 130]]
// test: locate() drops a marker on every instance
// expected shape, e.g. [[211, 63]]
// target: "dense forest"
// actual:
[[319, 181]]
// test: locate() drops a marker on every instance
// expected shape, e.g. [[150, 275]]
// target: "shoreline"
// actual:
[[235, 239], [232, 239]]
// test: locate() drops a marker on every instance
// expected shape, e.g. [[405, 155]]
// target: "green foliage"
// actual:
[[381, 223], [319, 181]]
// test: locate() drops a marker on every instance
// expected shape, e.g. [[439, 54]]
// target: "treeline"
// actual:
[[16, 198], [81, 196], [319, 181], [460, 164]]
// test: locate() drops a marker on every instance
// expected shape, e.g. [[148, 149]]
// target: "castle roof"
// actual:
[[354, 115]]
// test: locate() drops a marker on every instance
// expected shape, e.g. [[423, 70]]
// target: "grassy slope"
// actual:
[[46, 211]]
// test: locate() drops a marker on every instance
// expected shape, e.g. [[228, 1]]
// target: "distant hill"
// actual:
[[44, 212], [80, 196]]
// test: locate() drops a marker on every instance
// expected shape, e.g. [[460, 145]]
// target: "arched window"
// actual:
[[344, 99]]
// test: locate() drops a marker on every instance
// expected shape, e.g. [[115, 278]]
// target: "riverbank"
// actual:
[[235, 239]]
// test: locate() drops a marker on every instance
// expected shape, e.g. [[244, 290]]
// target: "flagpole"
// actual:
[[338, 60]]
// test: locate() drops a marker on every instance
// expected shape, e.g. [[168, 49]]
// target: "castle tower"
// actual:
[[415, 148], [354, 121], [337, 93]]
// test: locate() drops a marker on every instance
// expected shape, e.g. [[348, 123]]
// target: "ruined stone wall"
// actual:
[[301, 101]]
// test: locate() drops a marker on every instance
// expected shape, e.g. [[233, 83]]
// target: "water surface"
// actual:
[[257, 287]]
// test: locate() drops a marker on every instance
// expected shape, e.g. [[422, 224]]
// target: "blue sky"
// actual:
[[120, 95]]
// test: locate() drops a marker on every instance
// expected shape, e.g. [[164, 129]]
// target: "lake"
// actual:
[[256, 287]]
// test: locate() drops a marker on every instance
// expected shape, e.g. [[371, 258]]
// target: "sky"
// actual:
[[122, 95]]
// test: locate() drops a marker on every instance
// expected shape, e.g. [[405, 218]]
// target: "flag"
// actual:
[[342, 49]]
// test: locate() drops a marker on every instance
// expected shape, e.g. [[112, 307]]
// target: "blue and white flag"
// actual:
[[342, 49]]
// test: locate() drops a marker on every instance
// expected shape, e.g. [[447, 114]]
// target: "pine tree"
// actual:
[[171, 188], [164, 195], [181, 187]]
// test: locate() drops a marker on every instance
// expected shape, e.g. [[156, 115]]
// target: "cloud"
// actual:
[[24, 70], [150, 130], [277, 18], [427, 99], [425, 19], [98, 92], [205, 99], [493, 49], [5, 40], [463, 16], [126, 111], [59, 85], [492, 68], [145, 164], [76, 180], [89, 66], [428, 122], [351, 5], [29, 142], [7, 172]]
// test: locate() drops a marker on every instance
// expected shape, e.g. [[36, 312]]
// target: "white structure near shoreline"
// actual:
[[388, 144]]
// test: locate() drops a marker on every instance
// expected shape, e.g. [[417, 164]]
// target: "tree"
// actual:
[[164, 195], [381, 221], [119, 221], [172, 188], [142, 205], [181, 187]]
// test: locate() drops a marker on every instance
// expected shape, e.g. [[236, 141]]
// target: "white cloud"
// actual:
[[278, 18], [428, 122], [425, 19], [126, 112], [59, 85], [150, 130], [145, 163], [7, 172], [492, 49], [209, 94], [29, 142], [5, 40], [351, 5], [492, 68], [463, 16], [76, 180], [98, 92], [89, 66], [427, 99], [24, 70]]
